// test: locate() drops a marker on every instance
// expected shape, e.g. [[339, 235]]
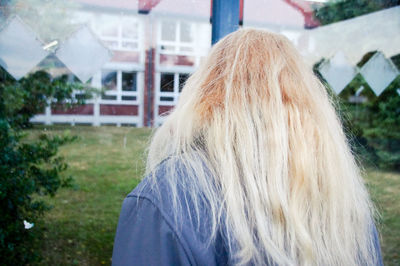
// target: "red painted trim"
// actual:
[[305, 9], [125, 56], [162, 109], [241, 11], [145, 6], [113, 109], [176, 60], [146, 101], [86, 109]]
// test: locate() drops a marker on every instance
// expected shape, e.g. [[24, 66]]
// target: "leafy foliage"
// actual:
[[28, 168], [336, 11], [373, 126], [30, 95]]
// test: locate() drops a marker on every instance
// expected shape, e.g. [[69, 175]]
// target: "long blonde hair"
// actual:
[[265, 149]]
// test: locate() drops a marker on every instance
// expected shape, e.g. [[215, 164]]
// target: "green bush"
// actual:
[[28, 168], [335, 11], [373, 126]]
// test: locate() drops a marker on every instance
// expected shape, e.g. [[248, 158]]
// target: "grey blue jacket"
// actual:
[[147, 233]]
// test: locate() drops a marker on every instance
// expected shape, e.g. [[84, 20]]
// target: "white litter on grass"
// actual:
[[28, 225]]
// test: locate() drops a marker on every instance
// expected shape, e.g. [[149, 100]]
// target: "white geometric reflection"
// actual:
[[83, 54], [379, 72], [338, 72], [20, 50]]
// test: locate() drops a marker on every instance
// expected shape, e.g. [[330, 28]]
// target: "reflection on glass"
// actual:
[[83, 54], [20, 50], [182, 80], [129, 98], [109, 30], [101, 39], [186, 32], [129, 45], [108, 97], [167, 82], [109, 80], [129, 81], [168, 48], [111, 44], [186, 49], [168, 31], [335, 37], [166, 99], [129, 29]]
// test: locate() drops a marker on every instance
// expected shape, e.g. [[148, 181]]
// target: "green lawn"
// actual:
[[107, 163]]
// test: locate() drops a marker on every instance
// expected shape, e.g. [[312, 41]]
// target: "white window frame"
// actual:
[[175, 94], [177, 43], [119, 92], [119, 39]]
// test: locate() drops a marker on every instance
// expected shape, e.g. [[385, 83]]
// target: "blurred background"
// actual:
[[83, 82]]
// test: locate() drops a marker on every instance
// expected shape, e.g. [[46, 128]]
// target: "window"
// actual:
[[168, 31], [119, 85], [186, 32], [167, 82], [129, 81], [109, 80], [170, 86], [177, 37], [182, 80], [119, 33]]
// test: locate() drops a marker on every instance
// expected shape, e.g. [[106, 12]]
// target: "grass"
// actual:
[[108, 162], [385, 192]]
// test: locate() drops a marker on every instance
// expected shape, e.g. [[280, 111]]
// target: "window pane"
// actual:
[[108, 97], [168, 31], [129, 81], [129, 98], [109, 80], [186, 49], [167, 99], [182, 80], [109, 30], [130, 45], [186, 32], [167, 82], [129, 29], [169, 48], [111, 44]]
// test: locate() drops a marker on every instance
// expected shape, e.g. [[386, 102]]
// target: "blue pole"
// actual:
[[225, 18]]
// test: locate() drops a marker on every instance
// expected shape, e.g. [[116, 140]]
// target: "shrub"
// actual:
[[28, 169], [373, 126]]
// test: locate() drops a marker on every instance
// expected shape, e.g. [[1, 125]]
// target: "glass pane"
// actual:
[[186, 32], [130, 29], [109, 79], [101, 43], [167, 82], [129, 45], [182, 80], [166, 99], [108, 97], [168, 32], [186, 49], [109, 30], [129, 98], [168, 48], [111, 44], [129, 81]]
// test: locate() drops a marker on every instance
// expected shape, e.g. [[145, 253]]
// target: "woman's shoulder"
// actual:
[[175, 213]]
